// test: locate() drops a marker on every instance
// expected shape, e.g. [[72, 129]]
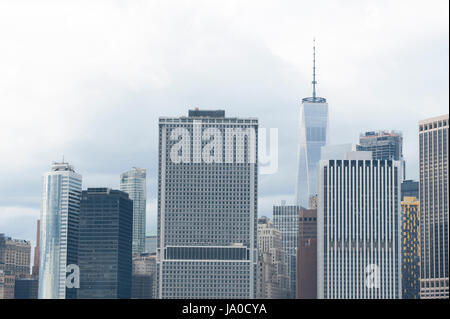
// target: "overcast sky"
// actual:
[[89, 79]]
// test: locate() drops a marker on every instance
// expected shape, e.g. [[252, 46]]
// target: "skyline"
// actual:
[[254, 73]]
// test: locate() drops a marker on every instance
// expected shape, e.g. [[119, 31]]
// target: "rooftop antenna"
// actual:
[[314, 82]]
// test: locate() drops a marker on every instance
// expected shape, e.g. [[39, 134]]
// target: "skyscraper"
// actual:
[[134, 183], [61, 191], [273, 280], [26, 288], [433, 197], [144, 276], [35, 269], [384, 145], [151, 242], [207, 206], [7, 283], [312, 136], [15, 256], [104, 253], [410, 188], [307, 254], [410, 248], [285, 218], [359, 227]]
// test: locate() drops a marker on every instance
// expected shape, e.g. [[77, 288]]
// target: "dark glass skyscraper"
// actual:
[[105, 244], [410, 188]]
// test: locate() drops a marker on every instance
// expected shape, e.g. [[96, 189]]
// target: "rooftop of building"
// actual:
[[104, 191], [62, 166], [381, 133], [214, 115]]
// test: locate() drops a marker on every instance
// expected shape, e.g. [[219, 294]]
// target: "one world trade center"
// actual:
[[312, 136]]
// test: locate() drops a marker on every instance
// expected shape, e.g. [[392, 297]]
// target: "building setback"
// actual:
[[105, 242], [134, 183], [307, 254], [61, 191], [359, 228], [410, 248], [207, 206], [433, 197]]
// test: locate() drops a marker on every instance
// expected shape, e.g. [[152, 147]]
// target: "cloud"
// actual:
[[89, 79]]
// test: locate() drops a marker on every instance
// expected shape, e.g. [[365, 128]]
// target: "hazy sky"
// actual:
[[89, 79]]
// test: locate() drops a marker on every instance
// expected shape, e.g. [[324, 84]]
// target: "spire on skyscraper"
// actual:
[[314, 82], [314, 98]]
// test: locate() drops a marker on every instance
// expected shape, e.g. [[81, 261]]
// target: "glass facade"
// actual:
[[58, 230], [313, 135], [104, 254], [134, 183]]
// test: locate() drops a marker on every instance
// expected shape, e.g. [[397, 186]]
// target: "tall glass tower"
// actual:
[[134, 183], [61, 193], [313, 135]]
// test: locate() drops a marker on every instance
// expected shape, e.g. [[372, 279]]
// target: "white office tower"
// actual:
[[433, 196], [207, 206], [134, 183], [312, 136], [359, 226], [61, 193]]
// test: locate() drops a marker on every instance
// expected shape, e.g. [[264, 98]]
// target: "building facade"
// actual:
[[35, 268], [384, 145], [134, 183], [207, 206], [151, 242], [433, 197], [273, 280], [15, 256], [313, 135], [26, 288], [61, 192], [144, 276], [7, 282], [410, 248], [359, 228], [307, 254], [410, 188], [285, 219], [105, 243]]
